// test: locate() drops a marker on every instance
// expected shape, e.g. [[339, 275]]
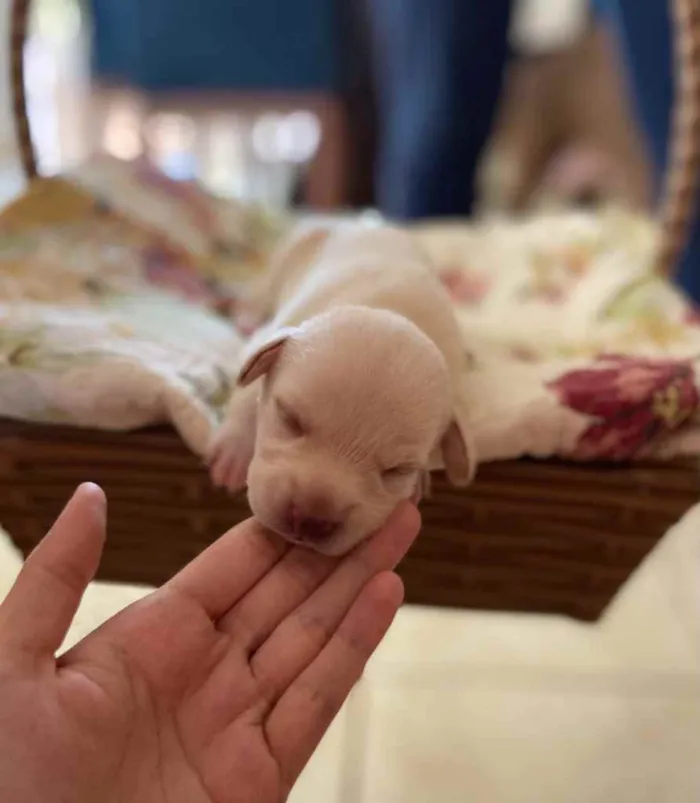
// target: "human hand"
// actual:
[[215, 688]]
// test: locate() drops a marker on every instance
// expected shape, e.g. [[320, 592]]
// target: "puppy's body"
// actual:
[[373, 355], [381, 268]]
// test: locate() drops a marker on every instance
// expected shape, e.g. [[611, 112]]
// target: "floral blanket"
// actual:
[[118, 289], [120, 294], [580, 351]]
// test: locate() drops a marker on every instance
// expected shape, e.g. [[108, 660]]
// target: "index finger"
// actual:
[[227, 570], [299, 638]]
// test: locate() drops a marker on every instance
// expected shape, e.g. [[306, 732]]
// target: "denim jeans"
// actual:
[[439, 71], [439, 65]]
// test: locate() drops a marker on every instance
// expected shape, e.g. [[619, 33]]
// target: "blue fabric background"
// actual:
[[219, 44]]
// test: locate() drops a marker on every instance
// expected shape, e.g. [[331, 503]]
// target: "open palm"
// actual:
[[214, 689]]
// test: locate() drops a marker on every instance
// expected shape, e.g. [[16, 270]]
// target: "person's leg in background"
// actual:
[[645, 32], [439, 67]]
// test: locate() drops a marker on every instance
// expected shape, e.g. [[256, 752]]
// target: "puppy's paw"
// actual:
[[229, 458], [231, 450]]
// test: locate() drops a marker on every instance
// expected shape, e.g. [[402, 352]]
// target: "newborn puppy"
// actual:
[[346, 398], [581, 176]]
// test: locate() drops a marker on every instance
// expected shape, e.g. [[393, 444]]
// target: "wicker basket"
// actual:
[[527, 536]]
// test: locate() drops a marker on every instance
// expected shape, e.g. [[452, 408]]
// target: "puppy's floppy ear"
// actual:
[[263, 359], [458, 455]]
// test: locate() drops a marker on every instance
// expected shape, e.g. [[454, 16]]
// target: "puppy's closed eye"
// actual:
[[290, 420], [399, 472]]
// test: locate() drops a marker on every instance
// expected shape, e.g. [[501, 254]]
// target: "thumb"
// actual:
[[40, 607]]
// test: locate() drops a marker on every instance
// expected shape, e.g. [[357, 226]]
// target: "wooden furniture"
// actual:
[[326, 180], [527, 536]]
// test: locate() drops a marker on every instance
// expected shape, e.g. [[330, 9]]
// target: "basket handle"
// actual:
[[683, 171], [682, 175], [19, 20]]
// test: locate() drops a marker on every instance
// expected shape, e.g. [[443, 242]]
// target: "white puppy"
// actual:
[[346, 396]]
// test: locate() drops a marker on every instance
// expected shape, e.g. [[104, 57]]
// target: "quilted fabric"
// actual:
[[121, 291]]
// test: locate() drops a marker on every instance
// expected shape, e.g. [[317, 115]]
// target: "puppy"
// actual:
[[347, 397], [581, 176]]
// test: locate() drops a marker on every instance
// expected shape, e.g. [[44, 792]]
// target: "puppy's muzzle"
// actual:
[[308, 528]]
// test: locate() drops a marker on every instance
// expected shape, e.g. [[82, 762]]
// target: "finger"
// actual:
[[311, 703], [41, 605], [251, 621], [226, 571], [290, 583], [301, 636]]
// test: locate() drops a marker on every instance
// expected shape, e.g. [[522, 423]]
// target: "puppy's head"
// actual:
[[352, 406], [581, 176]]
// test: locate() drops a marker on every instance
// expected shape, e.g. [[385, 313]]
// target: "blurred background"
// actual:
[[277, 100]]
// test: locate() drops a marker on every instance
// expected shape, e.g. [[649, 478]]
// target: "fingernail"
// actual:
[[97, 498]]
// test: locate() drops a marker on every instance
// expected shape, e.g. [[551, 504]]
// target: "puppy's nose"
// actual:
[[313, 529]]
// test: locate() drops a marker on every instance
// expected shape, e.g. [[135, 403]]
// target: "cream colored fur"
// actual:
[[345, 397]]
